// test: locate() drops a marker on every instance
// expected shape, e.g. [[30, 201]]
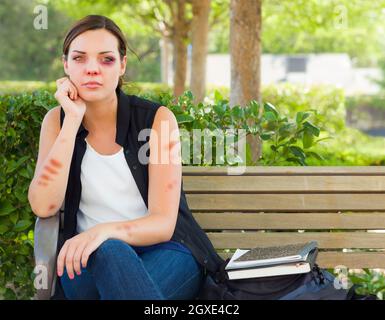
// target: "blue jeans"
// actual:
[[115, 270]]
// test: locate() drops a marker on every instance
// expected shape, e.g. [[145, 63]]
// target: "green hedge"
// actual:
[[20, 119]]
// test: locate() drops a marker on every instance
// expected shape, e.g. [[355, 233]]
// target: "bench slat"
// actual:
[[286, 202], [326, 240], [288, 170], [350, 260], [273, 184], [282, 221]]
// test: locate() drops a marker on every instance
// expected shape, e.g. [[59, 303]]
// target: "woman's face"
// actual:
[[93, 56]]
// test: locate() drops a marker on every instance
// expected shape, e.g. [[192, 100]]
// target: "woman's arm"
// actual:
[[165, 179], [48, 186], [47, 189]]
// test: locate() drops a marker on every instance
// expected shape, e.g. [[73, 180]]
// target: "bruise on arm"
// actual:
[[56, 163], [48, 172]]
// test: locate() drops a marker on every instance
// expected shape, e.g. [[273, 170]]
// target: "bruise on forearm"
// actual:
[[171, 185], [49, 172], [56, 163], [144, 231]]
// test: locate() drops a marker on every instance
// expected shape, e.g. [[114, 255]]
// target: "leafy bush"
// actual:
[[20, 118], [289, 140], [327, 101], [350, 147]]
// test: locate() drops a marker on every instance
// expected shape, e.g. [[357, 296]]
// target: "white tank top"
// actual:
[[109, 191]]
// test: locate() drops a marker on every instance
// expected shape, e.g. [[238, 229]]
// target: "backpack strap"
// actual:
[[61, 211]]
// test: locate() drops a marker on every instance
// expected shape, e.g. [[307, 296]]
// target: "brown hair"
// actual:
[[93, 22]]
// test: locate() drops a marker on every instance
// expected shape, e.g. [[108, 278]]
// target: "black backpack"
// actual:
[[318, 284]]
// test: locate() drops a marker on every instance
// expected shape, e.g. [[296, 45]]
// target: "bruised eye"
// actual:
[[108, 59]]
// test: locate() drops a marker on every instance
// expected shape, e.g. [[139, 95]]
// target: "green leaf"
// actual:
[[312, 128], [298, 152], [267, 135], [3, 228], [237, 112], [270, 116], [24, 173], [6, 208], [254, 108], [307, 140], [189, 95], [22, 225], [21, 195], [24, 250], [220, 109], [14, 217], [285, 130], [315, 155], [301, 116], [15, 165], [183, 118], [270, 108]]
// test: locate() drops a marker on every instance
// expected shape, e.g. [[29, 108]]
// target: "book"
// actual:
[[275, 270], [267, 256]]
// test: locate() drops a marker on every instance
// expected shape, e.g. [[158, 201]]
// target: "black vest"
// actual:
[[133, 115]]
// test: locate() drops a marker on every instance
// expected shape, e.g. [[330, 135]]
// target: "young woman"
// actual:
[[128, 232]]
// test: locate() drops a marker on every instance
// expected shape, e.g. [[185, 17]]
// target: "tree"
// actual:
[[245, 51], [179, 36], [180, 22], [199, 35]]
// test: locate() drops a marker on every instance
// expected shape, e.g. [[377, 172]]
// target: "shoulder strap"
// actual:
[[61, 210], [62, 115]]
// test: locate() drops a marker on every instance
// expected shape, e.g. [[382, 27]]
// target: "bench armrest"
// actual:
[[46, 236]]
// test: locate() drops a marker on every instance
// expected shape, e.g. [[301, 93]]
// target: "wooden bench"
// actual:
[[340, 207]]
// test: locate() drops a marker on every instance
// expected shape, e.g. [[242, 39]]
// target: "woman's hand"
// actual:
[[77, 249], [68, 97]]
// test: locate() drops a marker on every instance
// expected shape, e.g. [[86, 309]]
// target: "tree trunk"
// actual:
[[245, 52], [179, 39], [199, 29], [164, 58]]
